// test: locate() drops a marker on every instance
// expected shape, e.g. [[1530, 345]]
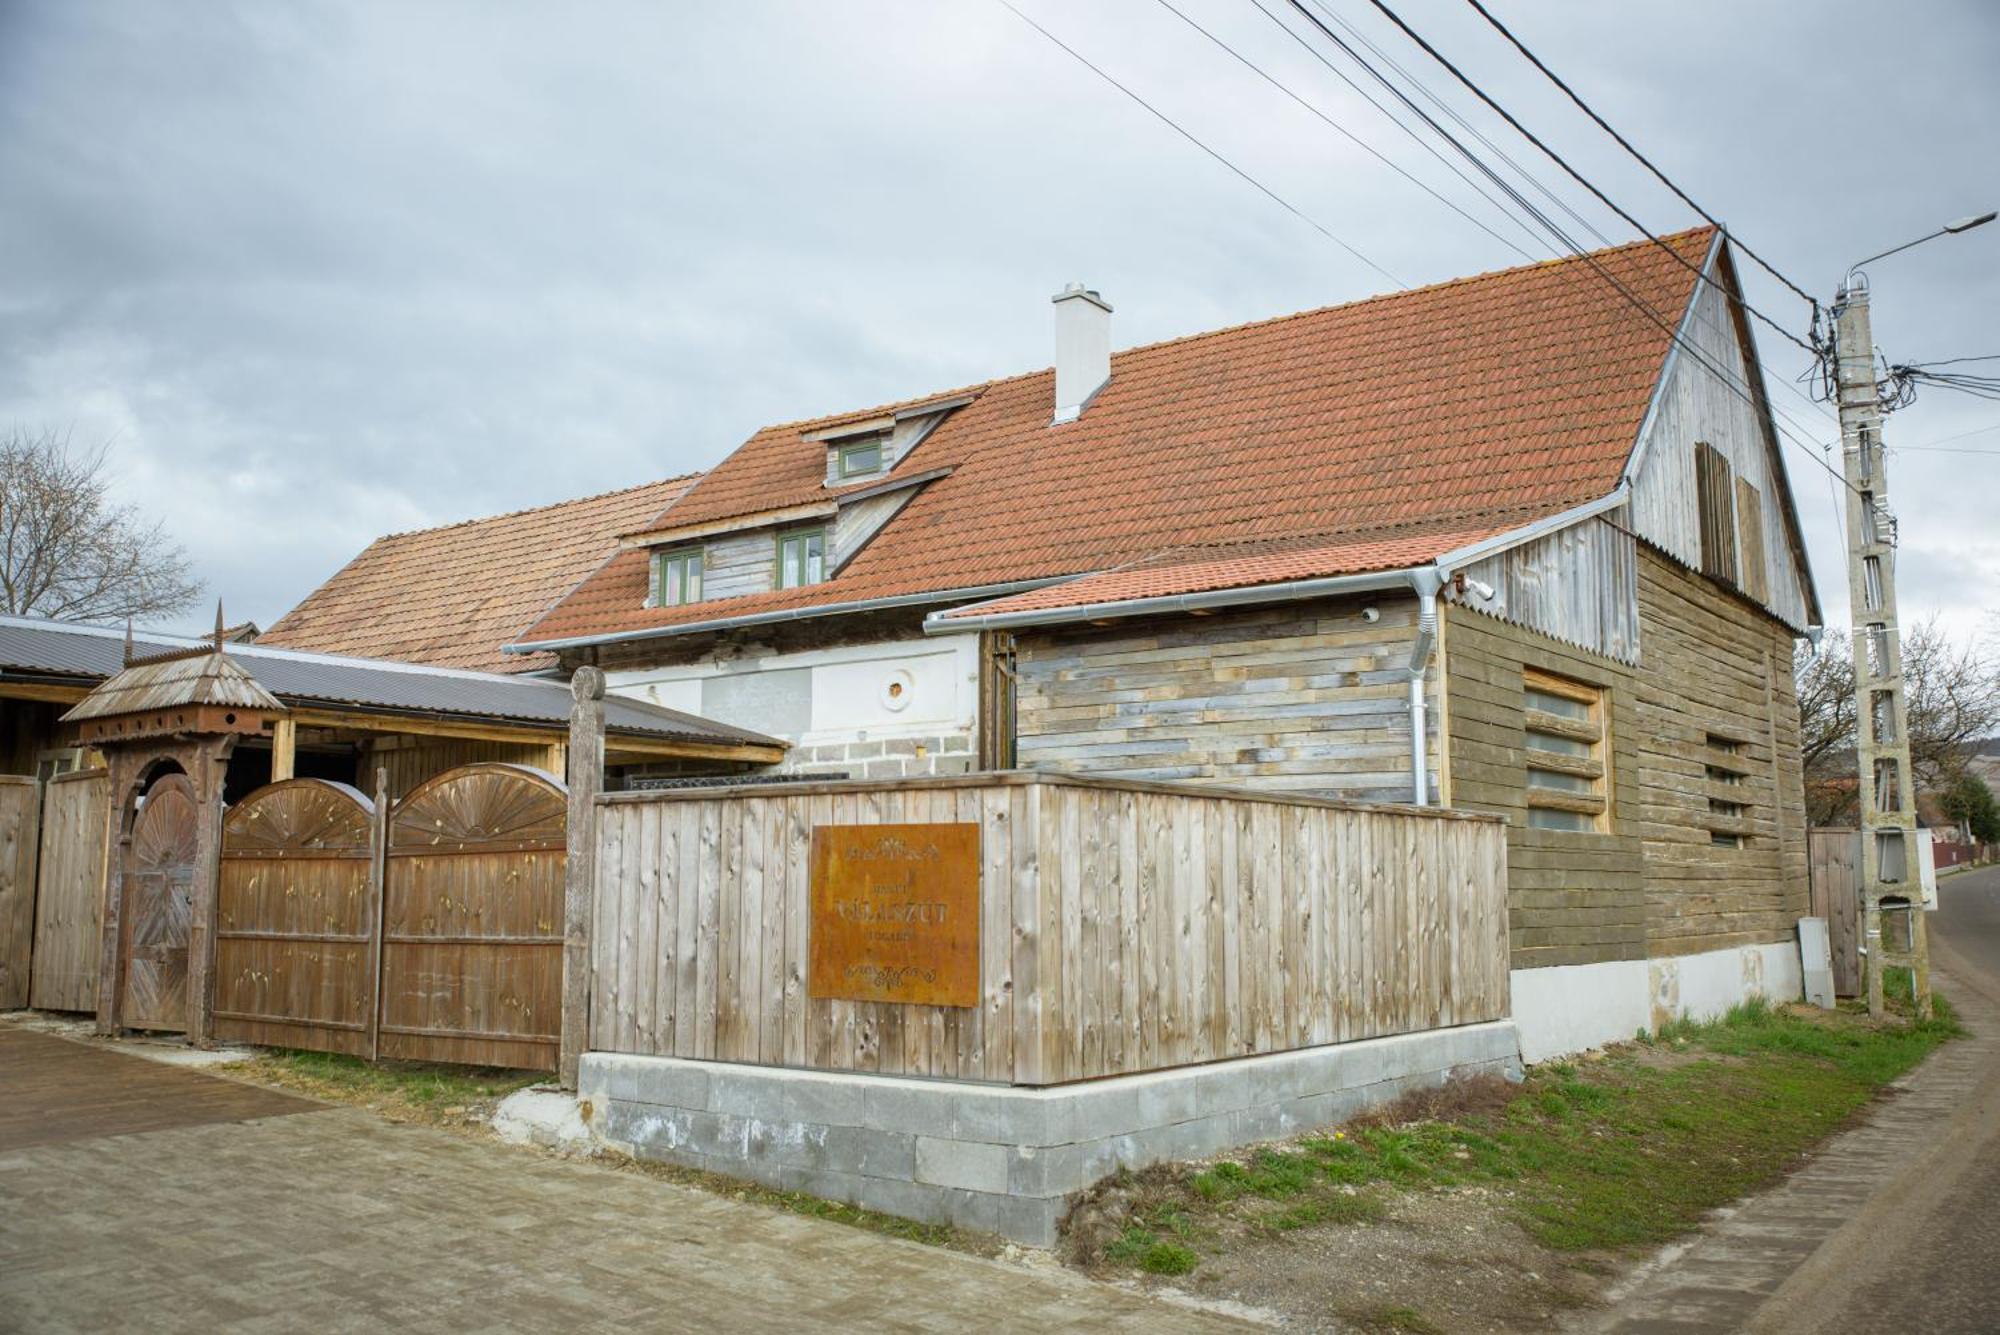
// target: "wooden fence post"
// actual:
[[586, 781]]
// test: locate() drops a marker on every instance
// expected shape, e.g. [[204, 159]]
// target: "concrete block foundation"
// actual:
[[997, 1158]]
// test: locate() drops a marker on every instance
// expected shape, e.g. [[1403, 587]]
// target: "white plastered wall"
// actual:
[[1574, 1008]]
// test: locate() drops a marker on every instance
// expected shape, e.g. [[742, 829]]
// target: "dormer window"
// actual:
[[859, 458], [801, 557], [677, 577]]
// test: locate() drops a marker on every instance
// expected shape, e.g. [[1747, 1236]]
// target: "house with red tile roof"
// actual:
[[1522, 543], [453, 596]]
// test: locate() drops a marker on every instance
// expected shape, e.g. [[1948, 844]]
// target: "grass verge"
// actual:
[[1624, 1151], [418, 1091]]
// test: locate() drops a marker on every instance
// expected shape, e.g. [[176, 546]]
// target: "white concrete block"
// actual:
[[970, 1164]]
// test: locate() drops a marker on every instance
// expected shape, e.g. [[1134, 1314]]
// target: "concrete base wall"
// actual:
[[991, 1157], [1574, 1008]]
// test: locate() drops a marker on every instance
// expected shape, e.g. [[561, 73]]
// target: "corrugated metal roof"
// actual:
[[33, 647], [171, 683]]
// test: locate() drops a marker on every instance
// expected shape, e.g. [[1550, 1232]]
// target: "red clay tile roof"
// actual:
[[1234, 566], [1515, 394], [452, 596]]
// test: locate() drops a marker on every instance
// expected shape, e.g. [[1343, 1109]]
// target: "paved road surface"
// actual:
[[1896, 1225], [135, 1196]]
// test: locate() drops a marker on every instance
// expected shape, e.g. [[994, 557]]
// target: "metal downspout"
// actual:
[[1426, 582]]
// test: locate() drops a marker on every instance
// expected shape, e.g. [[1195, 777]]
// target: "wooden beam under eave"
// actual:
[[533, 735], [45, 691], [284, 748]]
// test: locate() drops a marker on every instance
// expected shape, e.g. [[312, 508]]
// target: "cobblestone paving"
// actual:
[[336, 1220]]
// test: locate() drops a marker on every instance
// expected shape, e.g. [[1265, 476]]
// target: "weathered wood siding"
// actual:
[[739, 563], [1572, 897], [1715, 664], [861, 520], [20, 826], [1696, 405], [1305, 697], [1579, 585], [69, 903], [1654, 883], [1123, 927]]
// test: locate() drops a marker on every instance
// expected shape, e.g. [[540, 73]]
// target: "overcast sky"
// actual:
[[322, 272]]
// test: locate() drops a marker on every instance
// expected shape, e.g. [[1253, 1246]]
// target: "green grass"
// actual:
[[420, 1084], [1627, 1151]]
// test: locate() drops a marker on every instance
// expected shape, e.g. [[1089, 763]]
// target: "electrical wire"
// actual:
[[1644, 161], [1176, 127], [1336, 126], [1558, 159], [1778, 419]]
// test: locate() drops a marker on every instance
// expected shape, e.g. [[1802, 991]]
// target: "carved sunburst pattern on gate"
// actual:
[[507, 805], [302, 817]]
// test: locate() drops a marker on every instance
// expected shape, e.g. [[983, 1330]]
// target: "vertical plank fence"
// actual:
[[1123, 926], [1835, 863], [69, 901], [20, 824]]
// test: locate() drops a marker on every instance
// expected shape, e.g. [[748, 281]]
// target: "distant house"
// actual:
[[1521, 543], [452, 596]]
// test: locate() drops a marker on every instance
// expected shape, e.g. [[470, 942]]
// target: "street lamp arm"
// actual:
[[1949, 229]]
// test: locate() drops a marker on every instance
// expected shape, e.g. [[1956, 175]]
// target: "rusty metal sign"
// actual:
[[895, 913]]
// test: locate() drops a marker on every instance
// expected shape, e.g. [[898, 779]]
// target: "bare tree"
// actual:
[[1951, 693], [68, 552]]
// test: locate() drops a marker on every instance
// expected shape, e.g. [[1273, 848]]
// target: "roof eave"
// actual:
[[973, 593]]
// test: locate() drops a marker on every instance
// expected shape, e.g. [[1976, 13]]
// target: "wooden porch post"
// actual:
[[121, 771], [211, 768], [586, 781], [284, 749]]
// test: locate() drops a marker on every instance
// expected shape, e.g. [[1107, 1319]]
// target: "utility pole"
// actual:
[[1885, 797]]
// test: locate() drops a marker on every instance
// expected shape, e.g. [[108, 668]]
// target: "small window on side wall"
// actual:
[[677, 578], [1566, 765], [801, 557]]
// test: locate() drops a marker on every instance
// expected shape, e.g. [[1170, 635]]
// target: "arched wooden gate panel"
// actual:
[[472, 919], [159, 906], [295, 919]]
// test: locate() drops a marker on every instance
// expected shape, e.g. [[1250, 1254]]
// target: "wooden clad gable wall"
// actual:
[[1715, 665], [1579, 585], [1656, 883], [1305, 697], [858, 522], [1696, 406], [739, 563]]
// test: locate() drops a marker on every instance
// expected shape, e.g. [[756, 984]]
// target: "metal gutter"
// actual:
[[1288, 591], [789, 614]]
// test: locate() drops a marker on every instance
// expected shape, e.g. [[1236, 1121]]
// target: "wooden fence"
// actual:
[[69, 904], [1835, 864], [20, 822], [1123, 926]]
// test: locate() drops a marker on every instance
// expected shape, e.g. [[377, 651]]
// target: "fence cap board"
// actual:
[[1051, 778]]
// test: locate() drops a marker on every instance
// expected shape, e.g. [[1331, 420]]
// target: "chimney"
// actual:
[[1083, 349]]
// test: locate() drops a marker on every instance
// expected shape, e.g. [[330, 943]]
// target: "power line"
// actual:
[[1451, 113], [1558, 159], [1644, 161], [1175, 126], [1729, 382], [1391, 117], [1341, 129]]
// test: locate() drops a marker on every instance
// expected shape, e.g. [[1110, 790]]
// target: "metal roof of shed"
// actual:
[[35, 647]]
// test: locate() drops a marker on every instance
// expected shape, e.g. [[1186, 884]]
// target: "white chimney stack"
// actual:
[[1083, 349]]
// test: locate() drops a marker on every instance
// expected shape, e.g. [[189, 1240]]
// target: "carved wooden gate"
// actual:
[[472, 919], [159, 906], [296, 919]]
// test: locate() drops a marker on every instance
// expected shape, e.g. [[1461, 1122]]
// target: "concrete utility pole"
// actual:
[[1886, 800]]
